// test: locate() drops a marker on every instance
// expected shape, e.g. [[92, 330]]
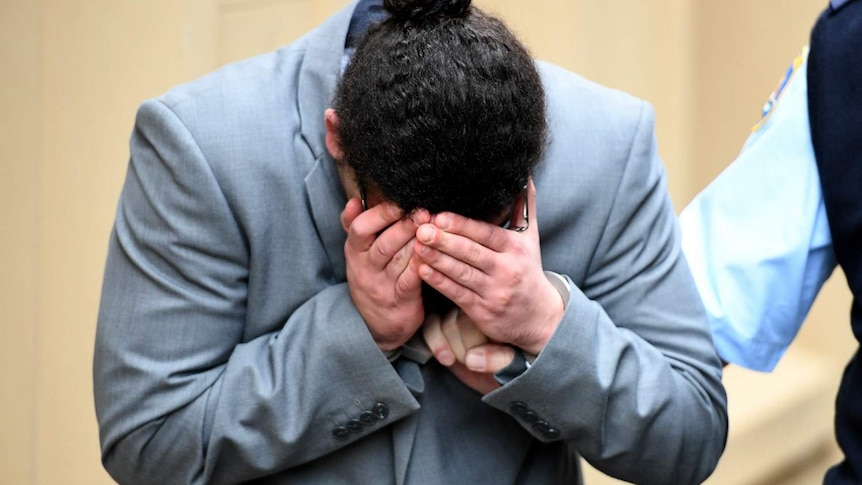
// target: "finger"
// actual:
[[462, 296], [450, 329], [481, 383], [409, 271], [351, 211], [489, 358], [457, 270], [487, 234], [390, 242], [420, 216], [364, 229], [398, 262], [436, 341], [470, 335], [409, 284], [491, 235], [435, 244]]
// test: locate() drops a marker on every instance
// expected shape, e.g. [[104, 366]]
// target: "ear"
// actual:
[[333, 138]]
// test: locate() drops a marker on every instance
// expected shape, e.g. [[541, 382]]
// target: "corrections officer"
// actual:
[[768, 231]]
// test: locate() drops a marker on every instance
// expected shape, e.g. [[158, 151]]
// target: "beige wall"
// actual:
[[74, 72], [19, 207]]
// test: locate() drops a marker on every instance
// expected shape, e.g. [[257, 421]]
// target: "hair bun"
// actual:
[[417, 10]]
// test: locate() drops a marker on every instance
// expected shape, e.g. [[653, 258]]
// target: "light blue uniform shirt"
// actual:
[[757, 238]]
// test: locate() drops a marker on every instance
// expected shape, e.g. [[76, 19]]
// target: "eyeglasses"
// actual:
[[362, 197], [507, 224]]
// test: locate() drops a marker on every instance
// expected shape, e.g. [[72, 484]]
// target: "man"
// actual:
[[766, 234], [275, 256]]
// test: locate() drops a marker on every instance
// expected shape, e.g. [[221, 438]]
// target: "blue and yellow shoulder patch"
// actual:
[[775, 96]]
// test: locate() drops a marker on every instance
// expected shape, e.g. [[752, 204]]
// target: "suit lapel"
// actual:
[[318, 78], [326, 199]]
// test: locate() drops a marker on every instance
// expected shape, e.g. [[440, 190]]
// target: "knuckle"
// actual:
[[512, 275], [474, 254], [501, 299], [402, 287], [356, 229], [400, 257], [375, 294], [466, 274], [381, 248], [459, 294]]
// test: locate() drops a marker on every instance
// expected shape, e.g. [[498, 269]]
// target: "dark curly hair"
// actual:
[[441, 108]]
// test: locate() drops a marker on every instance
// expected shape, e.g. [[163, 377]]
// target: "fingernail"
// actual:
[[475, 360], [446, 358], [425, 234], [442, 221], [420, 216]]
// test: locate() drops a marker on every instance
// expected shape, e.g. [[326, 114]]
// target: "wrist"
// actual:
[[558, 291]]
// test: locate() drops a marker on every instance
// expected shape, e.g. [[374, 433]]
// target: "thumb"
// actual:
[[489, 358]]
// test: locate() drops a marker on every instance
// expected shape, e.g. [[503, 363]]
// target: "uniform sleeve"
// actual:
[[630, 379], [757, 238], [181, 395]]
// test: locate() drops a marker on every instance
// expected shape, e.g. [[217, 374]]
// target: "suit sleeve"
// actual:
[[181, 395], [630, 379]]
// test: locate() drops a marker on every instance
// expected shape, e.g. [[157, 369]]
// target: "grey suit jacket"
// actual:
[[228, 348]]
